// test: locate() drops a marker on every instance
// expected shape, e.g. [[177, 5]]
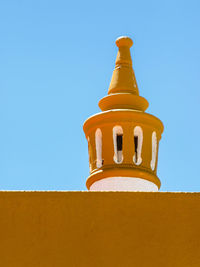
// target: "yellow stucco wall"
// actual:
[[99, 229]]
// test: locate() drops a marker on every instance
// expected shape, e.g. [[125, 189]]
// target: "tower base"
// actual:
[[123, 184]]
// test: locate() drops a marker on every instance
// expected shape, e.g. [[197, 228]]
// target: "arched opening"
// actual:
[[118, 144], [154, 151], [138, 140], [89, 153], [98, 143]]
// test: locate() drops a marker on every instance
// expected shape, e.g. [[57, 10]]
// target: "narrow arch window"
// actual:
[[154, 151], [98, 143], [118, 144], [138, 140], [89, 153]]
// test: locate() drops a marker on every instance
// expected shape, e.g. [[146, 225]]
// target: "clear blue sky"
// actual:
[[56, 61]]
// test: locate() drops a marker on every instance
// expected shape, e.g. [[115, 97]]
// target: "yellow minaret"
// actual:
[[123, 139]]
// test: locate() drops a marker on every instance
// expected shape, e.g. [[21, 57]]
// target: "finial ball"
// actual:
[[124, 41]]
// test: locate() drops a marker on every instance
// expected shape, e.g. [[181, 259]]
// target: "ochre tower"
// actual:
[[123, 140]]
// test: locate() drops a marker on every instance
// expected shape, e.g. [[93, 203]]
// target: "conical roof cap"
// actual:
[[123, 90]]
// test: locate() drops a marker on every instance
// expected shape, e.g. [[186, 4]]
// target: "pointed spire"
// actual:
[[123, 91], [123, 79]]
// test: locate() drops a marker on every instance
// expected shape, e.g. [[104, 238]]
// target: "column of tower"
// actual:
[[123, 139]]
